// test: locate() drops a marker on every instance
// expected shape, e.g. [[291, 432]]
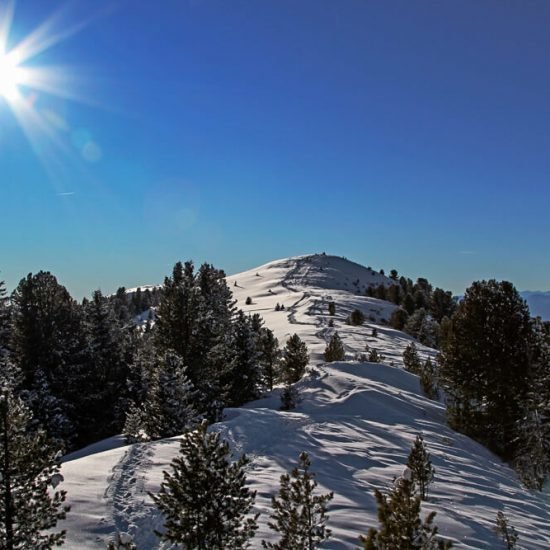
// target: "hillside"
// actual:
[[356, 420], [538, 302]]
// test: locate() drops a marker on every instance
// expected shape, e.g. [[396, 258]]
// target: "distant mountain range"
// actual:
[[538, 302]]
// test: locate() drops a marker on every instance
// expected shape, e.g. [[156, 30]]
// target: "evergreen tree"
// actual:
[[411, 359], [295, 359], [48, 343], [398, 318], [204, 498], [331, 308], [103, 382], [356, 317], [442, 304], [299, 516], [169, 408], [401, 526], [374, 356], [242, 377], [270, 354], [30, 507], [428, 379], [420, 464], [335, 349], [289, 397], [485, 364], [508, 534]]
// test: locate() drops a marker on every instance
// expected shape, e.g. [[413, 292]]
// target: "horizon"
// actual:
[[408, 137]]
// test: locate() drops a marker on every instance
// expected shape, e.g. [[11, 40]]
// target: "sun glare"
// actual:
[[11, 77]]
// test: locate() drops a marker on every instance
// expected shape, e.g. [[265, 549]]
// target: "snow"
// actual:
[[356, 420]]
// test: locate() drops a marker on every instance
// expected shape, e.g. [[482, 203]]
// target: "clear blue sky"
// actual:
[[401, 134]]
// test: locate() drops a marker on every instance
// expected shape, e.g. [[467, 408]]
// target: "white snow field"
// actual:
[[356, 420]]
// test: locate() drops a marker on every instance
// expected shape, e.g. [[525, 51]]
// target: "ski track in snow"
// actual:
[[127, 496]]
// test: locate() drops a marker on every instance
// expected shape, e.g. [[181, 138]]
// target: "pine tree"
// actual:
[[420, 464], [335, 349], [169, 408], [411, 359], [242, 377], [486, 364], [401, 526], [103, 382], [295, 359], [508, 534], [30, 507], [299, 516], [289, 397], [398, 318], [331, 308], [270, 355], [356, 317], [428, 379], [204, 498]]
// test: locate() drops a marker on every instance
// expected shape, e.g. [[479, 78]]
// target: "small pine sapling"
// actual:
[[508, 534], [420, 464], [401, 526], [299, 516], [428, 380], [335, 349]]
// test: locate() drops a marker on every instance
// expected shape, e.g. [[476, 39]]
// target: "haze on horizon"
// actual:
[[401, 135]]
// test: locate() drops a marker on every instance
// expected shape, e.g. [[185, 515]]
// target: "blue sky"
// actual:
[[407, 135]]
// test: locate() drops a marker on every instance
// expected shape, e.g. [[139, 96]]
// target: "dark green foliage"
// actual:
[[428, 380], [394, 294], [393, 274], [335, 349], [30, 507], [408, 304], [270, 355], [49, 349], [169, 406], [401, 526], [398, 318], [289, 397], [532, 458], [295, 359], [194, 319], [375, 357], [508, 534], [423, 327], [485, 364], [420, 464], [248, 301], [204, 498], [380, 292], [411, 359], [102, 383], [331, 308], [299, 516], [242, 377], [356, 317], [442, 304]]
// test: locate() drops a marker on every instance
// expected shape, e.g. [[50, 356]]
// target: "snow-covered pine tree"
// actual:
[[30, 507], [420, 464], [335, 349], [204, 498], [411, 359], [299, 516], [170, 406], [401, 526], [295, 359]]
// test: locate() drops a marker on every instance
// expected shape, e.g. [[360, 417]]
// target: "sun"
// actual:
[[11, 77]]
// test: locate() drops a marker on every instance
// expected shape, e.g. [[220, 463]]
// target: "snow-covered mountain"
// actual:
[[538, 302], [356, 420]]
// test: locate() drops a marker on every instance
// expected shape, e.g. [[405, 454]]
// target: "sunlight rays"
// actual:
[[34, 92]]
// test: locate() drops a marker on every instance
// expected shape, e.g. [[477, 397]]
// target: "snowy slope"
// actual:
[[357, 421]]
